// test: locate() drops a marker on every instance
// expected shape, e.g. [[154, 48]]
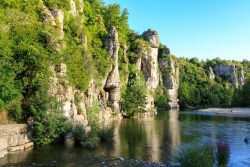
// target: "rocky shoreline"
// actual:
[[94, 161]]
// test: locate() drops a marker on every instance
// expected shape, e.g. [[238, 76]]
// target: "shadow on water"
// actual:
[[150, 140]]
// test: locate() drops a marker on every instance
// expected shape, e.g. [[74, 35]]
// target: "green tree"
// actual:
[[134, 100]]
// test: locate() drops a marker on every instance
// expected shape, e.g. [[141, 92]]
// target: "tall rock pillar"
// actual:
[[170, 77], [112, 85]]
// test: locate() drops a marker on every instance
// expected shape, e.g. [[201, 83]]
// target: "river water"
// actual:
[[154, 140]]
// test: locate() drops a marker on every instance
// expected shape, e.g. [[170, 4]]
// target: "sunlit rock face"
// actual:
[[235, 75], [148, 64], [113, 82], [211, 73], [14, 137], [170, 78], [150, 59]]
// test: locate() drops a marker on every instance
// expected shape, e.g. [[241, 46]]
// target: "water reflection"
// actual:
[[174, 130], [148, 138], [151, 140]]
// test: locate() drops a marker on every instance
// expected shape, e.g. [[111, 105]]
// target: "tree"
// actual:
[[246, 93], [134, 100]]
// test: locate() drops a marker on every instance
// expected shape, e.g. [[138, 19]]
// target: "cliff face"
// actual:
[[235, 75], [150, 60], [170, 78], [107, 95], [75, 103]]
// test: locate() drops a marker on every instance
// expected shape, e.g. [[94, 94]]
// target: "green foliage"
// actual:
[[134, 100], [161, 98], [49, 123], [246, 93], [57, 4], [196, 156], [106, 134], [93, 116], [197, 90], [86, 140]]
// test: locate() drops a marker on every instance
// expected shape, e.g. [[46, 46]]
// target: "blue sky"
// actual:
[[195, 28]]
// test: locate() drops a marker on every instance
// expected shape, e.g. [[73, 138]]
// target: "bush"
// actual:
[[106, 134], [79, 134], [91, 142], [161, 98], [49, 123], [223, 153], [195, 156], [86, 140]]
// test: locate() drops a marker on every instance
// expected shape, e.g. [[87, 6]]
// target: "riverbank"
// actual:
[[237, 112]]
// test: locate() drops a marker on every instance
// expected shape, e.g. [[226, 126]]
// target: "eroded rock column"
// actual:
[[170, 77], [112, 85]]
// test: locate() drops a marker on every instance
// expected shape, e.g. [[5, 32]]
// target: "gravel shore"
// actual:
[[239, 112]]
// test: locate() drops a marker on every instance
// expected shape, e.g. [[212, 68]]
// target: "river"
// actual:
[[154, 140]]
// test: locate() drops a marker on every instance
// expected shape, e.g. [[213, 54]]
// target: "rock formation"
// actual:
[[235, 75], [54, 18], [170, 78], [148, 64], [241, 77], [14, 137], [211, 74], [113, 82], [150, 60]]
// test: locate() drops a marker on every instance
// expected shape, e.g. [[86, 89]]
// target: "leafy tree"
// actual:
[[134, 100]]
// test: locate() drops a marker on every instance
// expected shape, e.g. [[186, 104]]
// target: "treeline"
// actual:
[[198, 90]]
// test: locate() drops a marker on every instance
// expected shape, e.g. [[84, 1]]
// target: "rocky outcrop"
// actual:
[[148, 63], [211, 73], [241, 77], [150, 60], [230, 72], [14, 137], [113, 82], [54, 18], [170, 78]]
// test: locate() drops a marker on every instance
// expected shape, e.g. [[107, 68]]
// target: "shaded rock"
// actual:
[[170, 77], [241, 77]]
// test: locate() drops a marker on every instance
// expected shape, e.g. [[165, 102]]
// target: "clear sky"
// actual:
[[195, 28]]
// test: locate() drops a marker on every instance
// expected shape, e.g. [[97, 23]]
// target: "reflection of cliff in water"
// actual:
[[138, 139], [171, 138], [149, 139]]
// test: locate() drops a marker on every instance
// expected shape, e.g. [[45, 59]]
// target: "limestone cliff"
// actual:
[[75, 103], [235, 75], [170, 78], [150, 60], [113, 82]]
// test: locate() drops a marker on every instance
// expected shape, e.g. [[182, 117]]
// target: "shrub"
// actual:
[[196, 156], [79, 134], [223, 153], [91, 142], [49, 123], [106, 134]]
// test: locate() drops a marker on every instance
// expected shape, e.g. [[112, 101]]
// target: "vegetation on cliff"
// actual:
[[30, 46]]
